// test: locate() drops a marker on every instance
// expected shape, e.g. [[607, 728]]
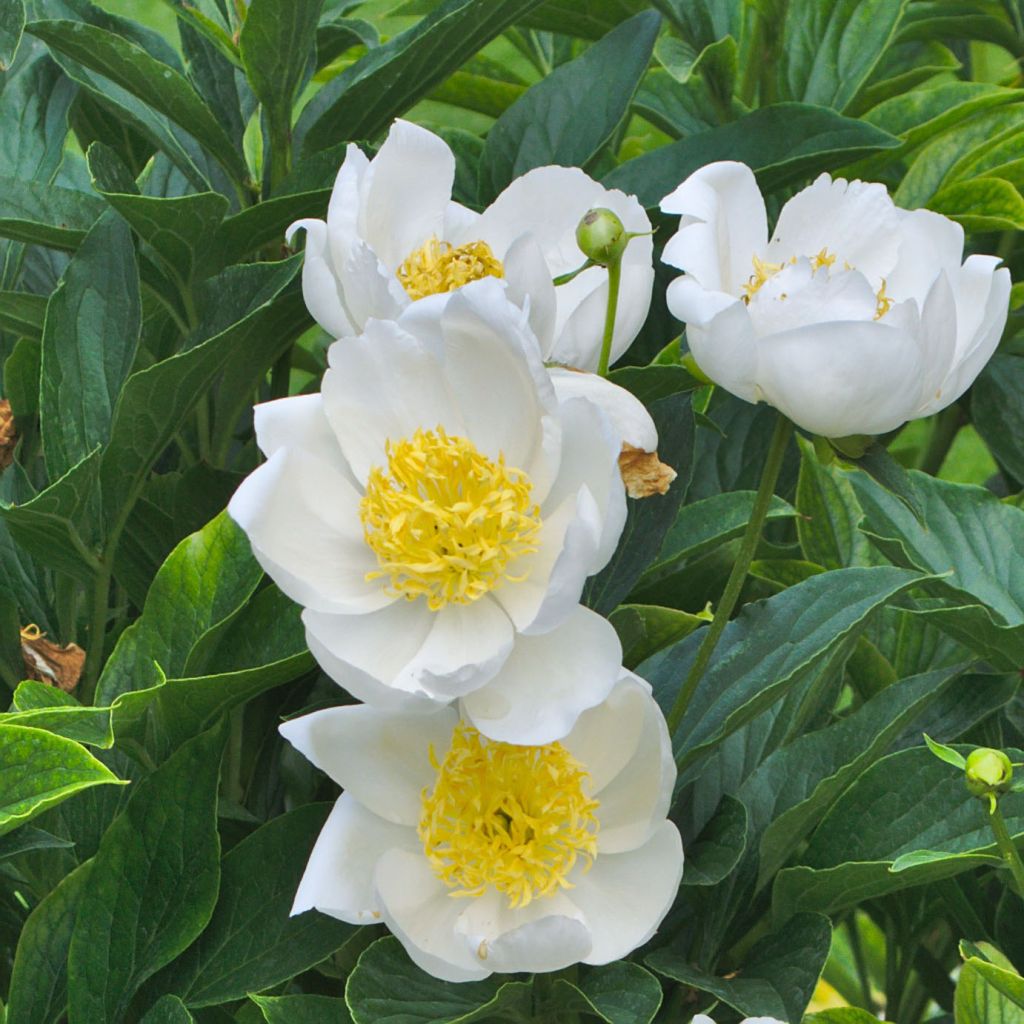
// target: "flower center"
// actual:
[[445, 521], [437, 267], [509, 817]]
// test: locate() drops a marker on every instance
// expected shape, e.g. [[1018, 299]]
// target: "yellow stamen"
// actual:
[[823, 259], [437, 267], [762, 272], [884, 302], [513, 818], [445, 521]]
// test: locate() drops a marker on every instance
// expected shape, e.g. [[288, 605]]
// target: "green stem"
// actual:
[[614, 280], [1005, 843], [748, 546], [944, 431], [863, 975]]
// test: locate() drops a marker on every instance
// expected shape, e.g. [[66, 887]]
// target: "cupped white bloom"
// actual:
[[852, 318], [436, 501], [484, 856], [393, 235]]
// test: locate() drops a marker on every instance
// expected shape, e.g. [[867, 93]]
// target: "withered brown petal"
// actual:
[[644, 473]]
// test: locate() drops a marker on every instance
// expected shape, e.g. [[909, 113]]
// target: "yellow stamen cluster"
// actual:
[[445, 521], [823, 259], [884, 302], [438, 267], [514, 818], [762, 272]]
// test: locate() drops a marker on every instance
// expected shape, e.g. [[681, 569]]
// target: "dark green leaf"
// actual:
[[590, 20], [39, 706], [12, 21], [363, 99], [981, 204], [779, 973], [618, 993], [720, 845], [154, 883], [22, 313], [251, 944], [38, 770], [644, 629], [21, 376], [168, 1010], [784, 144], [302, 1009], [649, 383], [333, 38], [156, 84], [568, 116], [997, 409], [89, 342], [39, 982], [27, 838], [44, 214]]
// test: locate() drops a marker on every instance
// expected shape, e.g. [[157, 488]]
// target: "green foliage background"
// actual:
[[153, 826]]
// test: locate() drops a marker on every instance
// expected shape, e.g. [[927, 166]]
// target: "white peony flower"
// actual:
[[437, 499], [393, 235], [854, 317], [482, 856]]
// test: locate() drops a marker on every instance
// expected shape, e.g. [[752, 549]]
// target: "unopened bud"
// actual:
[[988, 771], [601, 236]]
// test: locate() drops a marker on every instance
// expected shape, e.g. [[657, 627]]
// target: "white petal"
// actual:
[[367, 288], [529, 280], [722, 225], [856, 221], [629, 416], [407, 191], [384, 385], [569, 547], [725, 346], [366, 654], [547, 681], [929, 243], [459, 222], [605, 738], [466, 646], [338, 879], [423, 916], [838, 379], [938, 342], [320, 282], [298, 422], [545, 935], [345, 205], [302, 519], [626, 896], [381, 757]]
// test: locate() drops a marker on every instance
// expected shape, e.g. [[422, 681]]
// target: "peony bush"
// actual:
[[511, 510]]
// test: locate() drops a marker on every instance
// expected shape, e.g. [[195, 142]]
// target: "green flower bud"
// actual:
[[988, 771], [601, 236]]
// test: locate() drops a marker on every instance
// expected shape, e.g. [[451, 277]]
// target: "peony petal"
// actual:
[[838, 379], [367, 654], [368, 289], [467, 644], [722, 225], [381, 758], [928, 243], [547, 681], [424, 917], [545, 935], [302, 518], [530, 286], [319, 281], [406, 193], [345, 205], [381, 386], [856, 221], [298, 422], [937, 336], [630, 419], [338, 879], [626, 896]]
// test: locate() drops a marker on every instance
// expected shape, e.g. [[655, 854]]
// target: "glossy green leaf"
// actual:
[[208, 576], [997, 411], [89, 343], [644, 629], [39, 981], [591, 20], [303, 1009], [618, 993], [569, 115], [831, 49], [154, 883], [363, 99], [751, 669], [27, 838], [987, 994], [45, 707], [45, 214], [168, 1010], [22, 313], [841, 1015], [982, 204], [779, 973], [649, 383], [251, 944], [156, 84], [784, 143], [38, 770], [934, 829], [720, 845], [944, 753], [12, 21]]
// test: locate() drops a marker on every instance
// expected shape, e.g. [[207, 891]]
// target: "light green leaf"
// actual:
[[89, 343], [41, 213], [784, 143], [158, 85], [569, 115], [39, 981], [363, 99], [982, 204], [303, 1009], [987, 994], [779, 972], [841, 1015], [38, 770], [944, 753], [251, 944], [37, 705], [154, 882], [831, 49]]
